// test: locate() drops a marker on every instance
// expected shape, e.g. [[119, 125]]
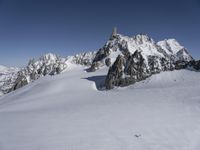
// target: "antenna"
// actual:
[[114, 32]]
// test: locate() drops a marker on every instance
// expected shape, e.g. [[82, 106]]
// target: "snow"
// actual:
[[7, 77], [171, 46], [143, 43], [67, 112], [2, 67], [140, 42]]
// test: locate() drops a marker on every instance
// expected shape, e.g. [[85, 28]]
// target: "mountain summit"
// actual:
[[127, 59], [131, 59]]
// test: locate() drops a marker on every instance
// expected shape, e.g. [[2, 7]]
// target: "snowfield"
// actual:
[[67, 112]]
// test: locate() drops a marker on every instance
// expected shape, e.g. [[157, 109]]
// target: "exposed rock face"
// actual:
[[181, 64], [20, 82], [128, 71], [108, 62], [141, 56], [8, 75], [115, 73], [48, 64], [195, 64], [83, 58], [167, 50], [135, 66]]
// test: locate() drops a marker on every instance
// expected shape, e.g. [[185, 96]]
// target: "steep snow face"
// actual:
[[7, 78], [67, 112], [172, 47], [139, 42]]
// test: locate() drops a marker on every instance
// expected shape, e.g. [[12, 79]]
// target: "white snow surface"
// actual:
[[170, 45], [67, 112], [139, 42]]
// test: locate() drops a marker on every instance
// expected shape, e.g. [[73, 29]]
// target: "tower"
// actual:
[[114, 32]]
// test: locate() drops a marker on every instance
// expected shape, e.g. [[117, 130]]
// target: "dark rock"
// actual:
[[135, 66], [108, 62], [20, 82], [195, 64], [181, 65], [115, 73]]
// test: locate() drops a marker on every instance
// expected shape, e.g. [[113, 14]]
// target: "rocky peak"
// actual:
[[8, 76], [142, 38], [119, 44], [48, 64]]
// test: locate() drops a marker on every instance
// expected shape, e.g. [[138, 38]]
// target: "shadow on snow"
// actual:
[[98, 80]]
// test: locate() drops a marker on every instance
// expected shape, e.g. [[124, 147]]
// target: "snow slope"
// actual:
[[67, 112]]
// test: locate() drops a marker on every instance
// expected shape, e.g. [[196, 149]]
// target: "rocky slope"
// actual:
[[123, 45], [49, 64], [131, 59], [7, 78]]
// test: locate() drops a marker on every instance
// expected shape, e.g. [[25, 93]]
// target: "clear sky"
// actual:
[[31, 28]]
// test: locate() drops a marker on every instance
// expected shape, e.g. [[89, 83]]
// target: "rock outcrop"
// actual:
[[49, 64], [8, 76], [141, 57], [169, 50], [128, 71]]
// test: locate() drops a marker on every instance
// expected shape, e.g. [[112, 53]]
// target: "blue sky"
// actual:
[[31, 28]]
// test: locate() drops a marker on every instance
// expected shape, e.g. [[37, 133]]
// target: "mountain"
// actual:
[[48, 64], [128, 60], [7, 77], [124, 45], [132, 59], [172, 47]]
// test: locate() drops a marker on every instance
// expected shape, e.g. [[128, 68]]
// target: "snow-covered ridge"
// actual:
[[173, 47], [160, 56], [48, 64], [7, 78], [85, 58], [131, 59], [120, 44]]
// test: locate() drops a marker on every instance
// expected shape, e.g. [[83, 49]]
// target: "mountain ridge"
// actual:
[[119, 55]]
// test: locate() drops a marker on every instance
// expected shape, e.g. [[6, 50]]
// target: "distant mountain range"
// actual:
[[128, 59]]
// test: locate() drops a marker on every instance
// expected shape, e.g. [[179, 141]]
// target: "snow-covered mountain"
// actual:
[[128, 60], [7, 78], [131, 59], [124, 45], [172, 47], [48, 64]]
